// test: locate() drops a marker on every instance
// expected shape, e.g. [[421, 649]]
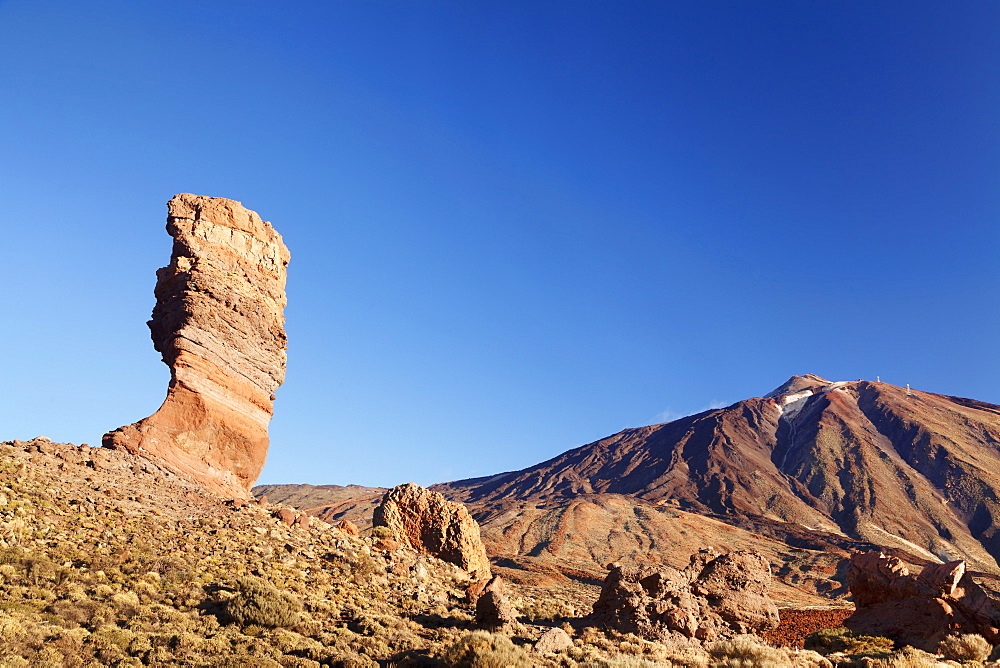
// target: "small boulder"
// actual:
[[349, 527], [493, 609], [553, 640], [302, 521], [286, 515]]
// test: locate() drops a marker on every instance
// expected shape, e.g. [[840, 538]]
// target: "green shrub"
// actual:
[[381, 532], [827, 641], [481, 649], [967, 647], [257, 602]]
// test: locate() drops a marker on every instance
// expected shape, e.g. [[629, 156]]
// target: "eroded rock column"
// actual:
[[219, 325]]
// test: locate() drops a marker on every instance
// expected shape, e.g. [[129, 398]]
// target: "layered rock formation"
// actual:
[[715, 596], [219, 325], [919, 610], [432, 525]]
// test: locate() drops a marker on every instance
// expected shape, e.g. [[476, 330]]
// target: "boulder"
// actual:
[[493, 609], [715, 596], [349, 527], [919, 609], [219, 325], [432, 525], [285, 515], [553, 640]]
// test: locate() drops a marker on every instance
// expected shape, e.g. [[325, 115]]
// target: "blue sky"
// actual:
[[515, 227]]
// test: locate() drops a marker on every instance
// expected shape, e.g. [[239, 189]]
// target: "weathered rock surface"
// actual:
[[219, 325], [430, 524], [493, 608], [715, 596], [919, 610], [553, 640]]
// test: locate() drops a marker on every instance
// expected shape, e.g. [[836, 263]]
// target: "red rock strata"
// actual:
[[219, 325]]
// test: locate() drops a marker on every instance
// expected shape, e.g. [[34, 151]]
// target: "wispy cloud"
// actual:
[[668, 414]]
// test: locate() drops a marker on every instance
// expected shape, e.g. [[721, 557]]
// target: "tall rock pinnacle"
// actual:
[[219, 325]]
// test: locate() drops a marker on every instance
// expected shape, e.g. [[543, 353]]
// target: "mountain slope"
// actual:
[[840, 462]]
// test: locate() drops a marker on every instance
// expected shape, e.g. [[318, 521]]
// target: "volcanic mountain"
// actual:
[[805, 474]]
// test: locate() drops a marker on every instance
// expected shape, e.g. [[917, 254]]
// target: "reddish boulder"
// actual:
[[302, 521], [919, 610], [286, 515], [431, 524], [493, 609], [349, 527], [713, 597], [219, 325]]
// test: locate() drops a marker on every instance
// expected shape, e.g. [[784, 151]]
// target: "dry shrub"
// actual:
[[481, 649], [745, 652], [257, 602], [966, 647], [908, 657], [828, 641], [621, 662], [381, 532]]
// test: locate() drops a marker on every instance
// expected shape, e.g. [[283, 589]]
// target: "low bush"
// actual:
[[966, 647], [381, 532], [908, 657], [745, 652], [828, 641], [258, 603], [481, 649]]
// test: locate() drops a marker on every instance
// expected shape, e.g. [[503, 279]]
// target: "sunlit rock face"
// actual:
[[219, 325]]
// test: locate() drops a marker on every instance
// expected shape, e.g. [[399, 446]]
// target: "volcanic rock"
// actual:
[[919, 610], [219, 325], [553, 640], [349, 527], [432, 525], [713, 597], [823, 468], [285, 515], [493, 608]]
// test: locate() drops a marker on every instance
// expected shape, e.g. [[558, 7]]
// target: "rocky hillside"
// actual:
[[108, 559]]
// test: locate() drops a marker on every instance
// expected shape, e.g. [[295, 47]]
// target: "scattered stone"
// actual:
[[715, 596], [262, 500], [386, 544], [219, 325], [349, 527], [286, 515], [431, 524], [493, 609], [918, 610], [553, 640]]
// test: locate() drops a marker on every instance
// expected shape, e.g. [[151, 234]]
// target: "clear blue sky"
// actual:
[[516, 227]]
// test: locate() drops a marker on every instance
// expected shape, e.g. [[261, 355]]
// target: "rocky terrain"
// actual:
[[108, 559], [219, 325], [805, 476]]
